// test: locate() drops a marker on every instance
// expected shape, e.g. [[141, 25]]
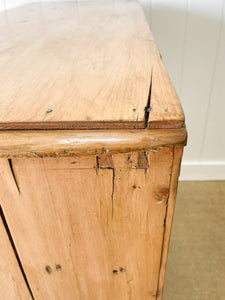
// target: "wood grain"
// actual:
[[90, 211], [82, 65], [100, 242], [164, 105], [139, 210], [77, 142], [178, 152]]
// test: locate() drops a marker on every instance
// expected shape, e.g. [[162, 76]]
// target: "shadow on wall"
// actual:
[[191, 39]]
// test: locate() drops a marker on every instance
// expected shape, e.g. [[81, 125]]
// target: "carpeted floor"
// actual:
[[196, 262]]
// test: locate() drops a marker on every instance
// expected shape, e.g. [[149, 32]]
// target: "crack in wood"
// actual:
[[164, 224], [148, 107], [2, 216], [142, 162], [129, 287], [105, 161], [148, 164], [113, 188], [13, 174]]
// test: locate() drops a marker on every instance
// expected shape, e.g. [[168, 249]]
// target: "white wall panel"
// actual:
[[14, 3], [169, 20], [2, 5], [204, 18], [147, 6], [205, 170], [191, 38], [214, 138], [213, 148]]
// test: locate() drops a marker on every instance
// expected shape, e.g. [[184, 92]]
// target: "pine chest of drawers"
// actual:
[[91, 140]]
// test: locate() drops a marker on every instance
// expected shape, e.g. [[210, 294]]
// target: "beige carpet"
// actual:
[[196, 262]]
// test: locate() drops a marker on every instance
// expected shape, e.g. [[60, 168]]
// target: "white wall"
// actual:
[[191, 37]]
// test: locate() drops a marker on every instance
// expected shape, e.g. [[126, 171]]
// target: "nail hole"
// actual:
[[122, 269], [115, 271], [58, 267], [48, 269], [49, 111]]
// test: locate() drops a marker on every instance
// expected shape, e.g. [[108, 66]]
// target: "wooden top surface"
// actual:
[[83, 65]]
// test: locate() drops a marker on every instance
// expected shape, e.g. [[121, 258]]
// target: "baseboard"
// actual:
[[202, 171]]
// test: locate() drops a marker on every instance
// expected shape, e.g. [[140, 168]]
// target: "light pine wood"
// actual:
[[12, 284], [140, 207], [178, 152], [89, 207], [103, 241], [57, 143], [164, 105], [82, 65]]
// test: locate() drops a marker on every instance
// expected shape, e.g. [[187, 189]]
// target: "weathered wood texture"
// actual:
[[56, 143], [83, 65], [89, 211], [92, 227], [178, 152], [12, 283]]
